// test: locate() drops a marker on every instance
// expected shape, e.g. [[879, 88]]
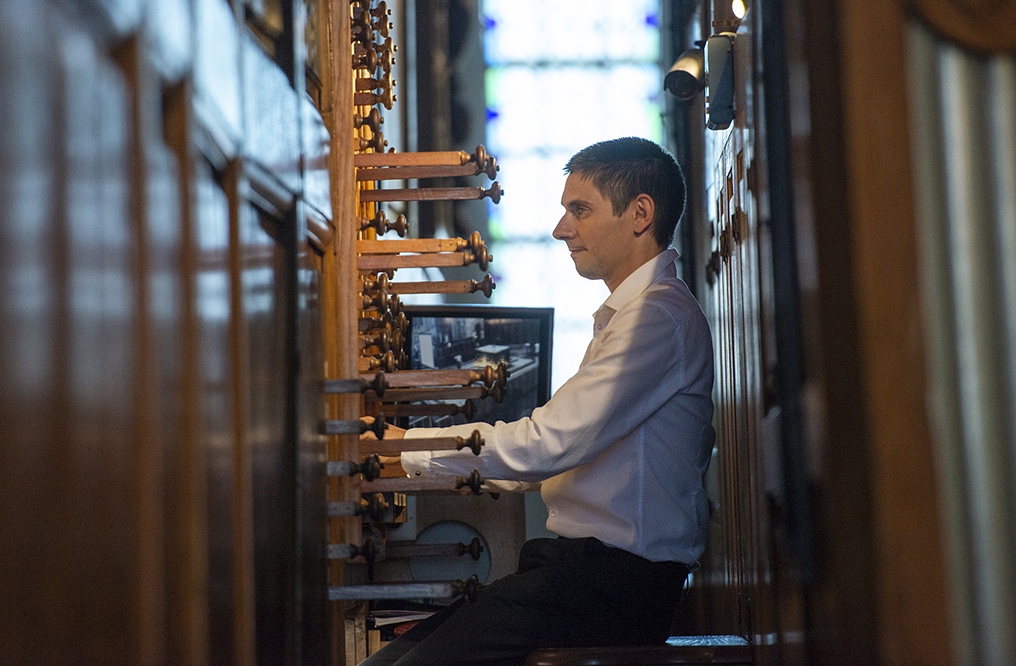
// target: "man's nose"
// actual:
[[563, 230]]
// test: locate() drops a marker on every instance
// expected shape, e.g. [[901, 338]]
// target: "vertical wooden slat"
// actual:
[[908, 582], [338, 116], [243, 486], [187, 548], [148, 491]]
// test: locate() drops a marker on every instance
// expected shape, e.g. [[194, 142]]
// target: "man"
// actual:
[[620, 449]]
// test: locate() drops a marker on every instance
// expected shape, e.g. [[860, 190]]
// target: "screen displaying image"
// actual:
[[475, 336]]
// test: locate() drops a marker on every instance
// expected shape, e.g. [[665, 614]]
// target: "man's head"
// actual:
[[621, 169], [622, 201]]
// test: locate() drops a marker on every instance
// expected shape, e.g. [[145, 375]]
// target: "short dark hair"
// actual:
[[622, 169]]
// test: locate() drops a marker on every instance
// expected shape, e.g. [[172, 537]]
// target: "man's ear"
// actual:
[[644, 212]]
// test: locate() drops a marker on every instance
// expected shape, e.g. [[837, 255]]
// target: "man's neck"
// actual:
[[638, 259]]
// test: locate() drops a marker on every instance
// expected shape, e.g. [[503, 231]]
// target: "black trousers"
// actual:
[[566, 593]]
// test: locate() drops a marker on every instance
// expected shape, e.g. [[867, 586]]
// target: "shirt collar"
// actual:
[[641, 278]]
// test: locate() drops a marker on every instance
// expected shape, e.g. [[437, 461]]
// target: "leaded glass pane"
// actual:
[[533, 31]]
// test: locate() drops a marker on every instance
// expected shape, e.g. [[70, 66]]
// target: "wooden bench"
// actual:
[[677, 650]]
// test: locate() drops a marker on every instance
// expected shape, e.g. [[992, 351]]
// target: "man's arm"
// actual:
[[649, 354]]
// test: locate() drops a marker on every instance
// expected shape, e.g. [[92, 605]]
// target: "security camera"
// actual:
[[687, 77], [720, 79]]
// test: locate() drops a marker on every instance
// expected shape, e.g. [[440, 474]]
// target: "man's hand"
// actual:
[[392, 464], [391, 432]]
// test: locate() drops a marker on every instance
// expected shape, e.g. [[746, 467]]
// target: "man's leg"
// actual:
[[567, 592], [394, 650], [508, 618]]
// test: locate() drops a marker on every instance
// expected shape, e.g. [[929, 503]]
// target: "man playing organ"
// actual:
[[619, 451]]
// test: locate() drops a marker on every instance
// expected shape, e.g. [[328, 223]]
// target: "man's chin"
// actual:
[[585, 271]]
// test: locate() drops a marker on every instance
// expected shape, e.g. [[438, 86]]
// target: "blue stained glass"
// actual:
[[492, 114], [653, 20]]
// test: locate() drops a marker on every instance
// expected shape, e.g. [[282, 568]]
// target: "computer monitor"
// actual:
[[473, 336]]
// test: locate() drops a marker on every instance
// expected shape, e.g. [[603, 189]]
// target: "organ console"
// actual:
[[383, 385]]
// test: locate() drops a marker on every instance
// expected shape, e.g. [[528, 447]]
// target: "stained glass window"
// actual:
[[561, 75]]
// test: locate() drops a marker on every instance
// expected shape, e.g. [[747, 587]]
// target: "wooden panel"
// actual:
[[95, 392], [265, 284], [213, 304], [70, 320], [312, 452], [909, 581], [185, 488]]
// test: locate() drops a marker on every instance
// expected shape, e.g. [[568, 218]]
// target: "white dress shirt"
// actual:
[[623, 445]]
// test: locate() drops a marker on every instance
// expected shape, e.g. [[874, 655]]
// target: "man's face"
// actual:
[[599, 241]]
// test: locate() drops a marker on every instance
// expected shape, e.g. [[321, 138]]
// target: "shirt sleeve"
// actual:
[[636, 366]]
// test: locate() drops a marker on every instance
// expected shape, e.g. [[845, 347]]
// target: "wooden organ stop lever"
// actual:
[[489, 376], [370, 468], [435, 550], [373, 506], [467, 409], [372, 59], [436, 171], [485, 286], [474, 244], [433, 158], [417, 485], [357, 427], [372, 550], [494, 192], [386, 362], [386, 99], [384, 341], [474, 443], [381, 225], [387, 262], [435, 590], [367, 84], [377, 384], [443, 393]]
